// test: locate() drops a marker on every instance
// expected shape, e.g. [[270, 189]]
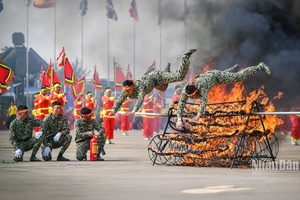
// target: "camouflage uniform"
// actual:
[[204, 82], [157, 79], [51, 126], [83, 141], [20, 134]]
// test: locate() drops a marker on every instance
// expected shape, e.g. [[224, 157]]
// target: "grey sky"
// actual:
[[243, 32]]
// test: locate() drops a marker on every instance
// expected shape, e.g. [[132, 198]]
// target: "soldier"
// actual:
[[90, 102], [58, 95], [177, 94], [20, 134], [41, 105], [11, 113], [204, 82], [125, 119], [78, 103], [148, 121], [157, 79], [84, 128], [108, 120], [56, 133]]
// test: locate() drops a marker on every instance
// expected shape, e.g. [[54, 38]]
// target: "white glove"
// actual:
[[47, 151], [38, 135], [18, 153], [56, 137], [179, 124]]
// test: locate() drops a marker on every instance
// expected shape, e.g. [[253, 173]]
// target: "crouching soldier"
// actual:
[[56, 133], [20, 134], [84, 128]]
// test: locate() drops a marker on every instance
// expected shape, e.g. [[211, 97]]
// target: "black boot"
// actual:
[[167, 69], [34, 158], [189, 53], [61, 158], [99, 158]]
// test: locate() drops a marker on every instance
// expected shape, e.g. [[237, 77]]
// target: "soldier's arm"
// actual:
[[13, 132], [36, 122], [66, 129], [79, 130], [181, 104], [139, 101], [203, 101], [119, 102]]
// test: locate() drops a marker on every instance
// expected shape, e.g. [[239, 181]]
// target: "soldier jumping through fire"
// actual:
[[157, 79], [204, 82]]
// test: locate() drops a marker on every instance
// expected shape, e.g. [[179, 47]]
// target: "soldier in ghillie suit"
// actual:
[[85, 130], [204, 82], [20, 136], [56, 133], [157, 79]]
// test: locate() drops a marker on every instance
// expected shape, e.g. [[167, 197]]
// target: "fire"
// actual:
[[214, 140]]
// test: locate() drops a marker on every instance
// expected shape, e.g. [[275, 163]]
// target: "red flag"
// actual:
[[96, 80], [45, 81], [133, 11], [44, 3], [78, 89], [68, 70], [119, 76], [51, 75], [6, 75], [128, 74], [151, 68]]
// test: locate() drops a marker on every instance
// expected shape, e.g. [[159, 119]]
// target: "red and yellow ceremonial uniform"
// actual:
[[41, 107], [125, 119], [108, 121], [157, 107], [77, 107], [60, 97], [148, 121], [90, 103]]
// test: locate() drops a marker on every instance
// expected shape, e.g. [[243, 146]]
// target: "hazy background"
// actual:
[[243, 32]]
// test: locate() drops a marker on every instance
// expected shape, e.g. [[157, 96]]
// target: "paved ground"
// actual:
[[128, 173]]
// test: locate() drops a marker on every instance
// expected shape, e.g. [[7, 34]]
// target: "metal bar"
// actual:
[[142, 113], [276, 113]]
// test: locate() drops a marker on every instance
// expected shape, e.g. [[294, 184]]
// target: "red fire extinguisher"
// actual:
[[94, 149]]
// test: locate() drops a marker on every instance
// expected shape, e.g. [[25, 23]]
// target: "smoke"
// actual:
[[250, 32]]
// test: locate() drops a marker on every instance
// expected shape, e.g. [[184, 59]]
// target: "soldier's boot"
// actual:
[[187, 54], [99, 158], [16, 159], [34, 158], [233, 69], [61, 158], [81, 158], [263, 67], [167, 69]]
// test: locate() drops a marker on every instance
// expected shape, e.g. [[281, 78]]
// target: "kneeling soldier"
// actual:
[[84, 128], [20, 134], [56, 133]]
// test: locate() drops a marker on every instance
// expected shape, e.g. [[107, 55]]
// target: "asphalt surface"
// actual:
[[128, 173]]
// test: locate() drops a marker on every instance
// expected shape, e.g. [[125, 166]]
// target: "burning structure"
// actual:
[[231, 133]]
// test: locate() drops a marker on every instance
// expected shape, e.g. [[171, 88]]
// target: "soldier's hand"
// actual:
[[179, 124], [90, 134]]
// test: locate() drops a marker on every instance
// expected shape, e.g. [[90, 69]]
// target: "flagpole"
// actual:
[[134, 47], [107, 52], [27, 70], [54, 59], [160, 46], [82, 42]]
